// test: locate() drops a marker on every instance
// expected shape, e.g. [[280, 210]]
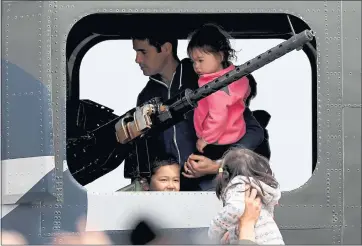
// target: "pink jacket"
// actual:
[[218, 118]]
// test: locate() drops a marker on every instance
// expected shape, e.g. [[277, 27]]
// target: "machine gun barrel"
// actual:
[[295, 42], [190, 99]]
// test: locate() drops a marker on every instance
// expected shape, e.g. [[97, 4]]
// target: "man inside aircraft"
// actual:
[[156, 54], [262, 116]]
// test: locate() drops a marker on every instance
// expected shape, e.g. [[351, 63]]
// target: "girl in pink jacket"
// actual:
[[218, 119]]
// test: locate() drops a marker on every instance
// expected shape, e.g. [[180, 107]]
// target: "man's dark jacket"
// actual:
[[263, 117], [179, 140]]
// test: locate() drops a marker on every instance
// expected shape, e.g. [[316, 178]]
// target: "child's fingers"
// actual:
[[225, 238], [258, 201], [247, 191], [253, 193]]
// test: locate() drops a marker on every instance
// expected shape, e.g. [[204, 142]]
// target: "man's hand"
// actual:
[[200, 145], [251, 214], [198, 166]]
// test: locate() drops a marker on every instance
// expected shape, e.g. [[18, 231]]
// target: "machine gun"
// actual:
[[113, 140]]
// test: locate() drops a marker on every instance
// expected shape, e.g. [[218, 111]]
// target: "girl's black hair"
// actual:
[[165, 160], [246, 163], [211, 38]]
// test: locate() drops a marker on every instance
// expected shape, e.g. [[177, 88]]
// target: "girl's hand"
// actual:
[[200, 145], [250, 216], [225, 238]]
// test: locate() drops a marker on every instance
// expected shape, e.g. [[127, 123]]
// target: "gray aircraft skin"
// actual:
[[37, 187]]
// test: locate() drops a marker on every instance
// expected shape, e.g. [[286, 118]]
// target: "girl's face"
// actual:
[[205, 63], [166, 178]]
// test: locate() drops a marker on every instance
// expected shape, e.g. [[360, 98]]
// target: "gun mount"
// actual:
[[115, 136]]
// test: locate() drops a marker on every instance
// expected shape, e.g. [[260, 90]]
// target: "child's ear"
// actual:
[[221, 56]]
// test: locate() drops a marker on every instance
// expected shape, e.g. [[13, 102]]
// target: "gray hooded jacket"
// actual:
[[233, 197]]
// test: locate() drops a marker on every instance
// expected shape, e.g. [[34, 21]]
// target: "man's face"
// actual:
[[151, 62]]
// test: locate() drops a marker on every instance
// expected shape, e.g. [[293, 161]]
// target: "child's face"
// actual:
[[205, 63], [166, 178]]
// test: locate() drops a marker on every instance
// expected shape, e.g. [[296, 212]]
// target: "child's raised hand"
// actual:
[[252, 205], [200, 145], [225, 238]]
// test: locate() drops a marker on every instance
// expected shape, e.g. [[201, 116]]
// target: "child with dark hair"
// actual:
[[165, 175], [240, 170], [218, 119]]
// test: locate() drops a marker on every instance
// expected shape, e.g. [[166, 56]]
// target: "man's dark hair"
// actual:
[[157, 39]]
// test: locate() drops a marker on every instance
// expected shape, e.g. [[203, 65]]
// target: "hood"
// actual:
[[271, 195], [206, 78], [263, 117], [182, 68]]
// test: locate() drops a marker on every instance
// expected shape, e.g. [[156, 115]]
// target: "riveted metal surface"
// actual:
[[305, 237], [329, 114], [331, 84], [351, 47], [332, 152], [302, 211], [27, 112], [334, 186], [351, 73], [352, 226], [330, 128], [51, 214], [57, 216], [310, 193], [20, 10], [352, 235], [352, 215], [333, 15], [352, 156], [293, 217], [18, 21]]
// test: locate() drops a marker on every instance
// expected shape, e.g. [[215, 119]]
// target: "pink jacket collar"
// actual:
[[205, 78]]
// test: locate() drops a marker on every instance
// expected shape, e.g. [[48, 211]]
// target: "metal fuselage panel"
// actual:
[[33, 125]]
